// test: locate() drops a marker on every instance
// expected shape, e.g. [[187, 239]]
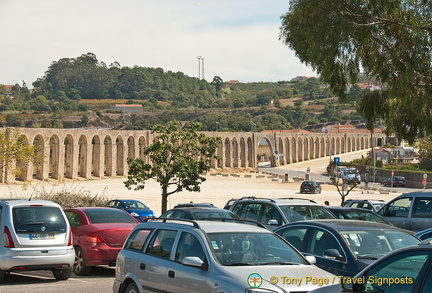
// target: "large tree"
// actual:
[[178, 156], [389, 40]]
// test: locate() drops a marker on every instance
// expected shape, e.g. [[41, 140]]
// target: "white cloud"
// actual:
[[237, 39]]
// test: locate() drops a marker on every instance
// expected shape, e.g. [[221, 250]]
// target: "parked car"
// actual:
[[198, 213], [279, 211], [163, 255], [195, 204], [424, 234], [310, 186], [407, 270], [411, 211], [369, 204], [134, 207], [357, 214], [36, 236], [98, 235], [345, 247], [394, 181]]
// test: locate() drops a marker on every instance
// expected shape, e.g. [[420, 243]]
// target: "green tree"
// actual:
[[178, 156], [13, 148], [388, 40]]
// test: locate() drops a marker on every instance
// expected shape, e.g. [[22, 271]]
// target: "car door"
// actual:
[[188, 279], [319, 241], [398, 212], [153, 268], [421, 216]]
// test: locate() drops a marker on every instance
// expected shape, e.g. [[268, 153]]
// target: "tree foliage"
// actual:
[[388, 40], [13, 148], [178, 156]]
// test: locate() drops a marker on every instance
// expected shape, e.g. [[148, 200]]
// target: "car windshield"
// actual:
[[251, 249], [32, 218], [377, 243], [305, 212], [360, 215], [215, 214], [137, 205], [99, 216]]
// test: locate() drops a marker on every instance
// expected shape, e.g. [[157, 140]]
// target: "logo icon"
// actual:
[[255, 280]]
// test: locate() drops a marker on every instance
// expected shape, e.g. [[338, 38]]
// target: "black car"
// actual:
[[407, 270], [345, 247], [198, 213], [310, 186], [357, 214]]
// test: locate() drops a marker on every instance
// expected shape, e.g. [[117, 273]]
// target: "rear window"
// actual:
[[37, 219], [99, 216]]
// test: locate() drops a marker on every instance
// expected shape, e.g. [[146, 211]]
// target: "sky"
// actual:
[[237, 39]]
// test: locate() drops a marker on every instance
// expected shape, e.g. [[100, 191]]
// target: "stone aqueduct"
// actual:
[[98, 153]]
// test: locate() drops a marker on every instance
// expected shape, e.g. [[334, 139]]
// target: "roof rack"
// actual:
[[164, 220], [191, 204], [241, 221], [302, 198]]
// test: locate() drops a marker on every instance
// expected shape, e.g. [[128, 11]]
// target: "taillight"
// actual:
[[94, 238], [8, 238], [70, 240]]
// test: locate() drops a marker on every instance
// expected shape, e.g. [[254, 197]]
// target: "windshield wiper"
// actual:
[[277, 263], [239, 264]]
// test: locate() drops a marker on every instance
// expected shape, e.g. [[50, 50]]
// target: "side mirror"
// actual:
[[273, 222], [333, 254], [194, 261], [311, 259]]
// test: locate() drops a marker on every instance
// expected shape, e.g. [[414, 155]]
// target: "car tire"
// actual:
[[132, 288], [62, 274], [2, 275], [80, 268]]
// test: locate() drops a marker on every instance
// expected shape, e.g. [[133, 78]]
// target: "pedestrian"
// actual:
[[326, 203]]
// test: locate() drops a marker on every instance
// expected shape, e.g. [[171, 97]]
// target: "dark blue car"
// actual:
[[345, 247], [134, 207]]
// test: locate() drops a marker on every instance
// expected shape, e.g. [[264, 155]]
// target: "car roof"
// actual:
[[191, 204], [343, 224], [279, 201], [366, 200], [20, 201], [206, 226], [415, 194], [197, 209]]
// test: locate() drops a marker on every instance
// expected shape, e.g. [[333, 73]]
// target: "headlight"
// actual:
[[134, 214]]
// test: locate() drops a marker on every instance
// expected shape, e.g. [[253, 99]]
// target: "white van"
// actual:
[[37, 236]]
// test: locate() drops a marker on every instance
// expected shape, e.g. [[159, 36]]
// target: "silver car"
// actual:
[[36, 236], [184, 256]]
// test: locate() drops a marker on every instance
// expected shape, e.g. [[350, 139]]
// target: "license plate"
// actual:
[[41, 236]]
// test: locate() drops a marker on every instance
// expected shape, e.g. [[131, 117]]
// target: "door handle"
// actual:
[[171, 274], [142, 266]]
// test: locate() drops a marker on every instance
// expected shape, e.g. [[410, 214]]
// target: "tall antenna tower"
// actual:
[[199, 67], [202, 68]]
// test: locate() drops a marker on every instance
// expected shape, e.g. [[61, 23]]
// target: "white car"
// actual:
[[184, 256], [36, 236]]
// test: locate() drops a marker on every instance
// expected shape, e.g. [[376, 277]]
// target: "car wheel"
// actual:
[[2, 274], [132, 288], [80, 268], [62, 274]]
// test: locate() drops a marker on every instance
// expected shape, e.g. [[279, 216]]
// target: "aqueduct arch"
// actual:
[[89, 153]]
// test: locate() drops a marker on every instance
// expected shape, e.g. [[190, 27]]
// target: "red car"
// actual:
[[397, 181], [98, 235]]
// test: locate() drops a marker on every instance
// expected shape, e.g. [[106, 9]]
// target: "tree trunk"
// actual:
[[164, 199]]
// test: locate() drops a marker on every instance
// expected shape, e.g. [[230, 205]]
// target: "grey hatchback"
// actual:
[[411, 211], [36, 236], [186, 256]]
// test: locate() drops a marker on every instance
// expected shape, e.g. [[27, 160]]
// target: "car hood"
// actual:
[[141, 212], [286, 277]]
